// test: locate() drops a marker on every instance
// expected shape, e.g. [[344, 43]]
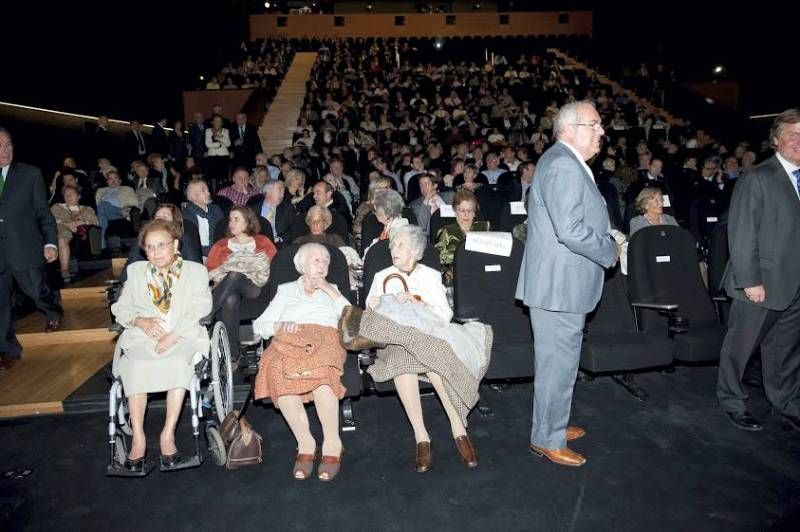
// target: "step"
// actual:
[[86, 319], [46, 375]]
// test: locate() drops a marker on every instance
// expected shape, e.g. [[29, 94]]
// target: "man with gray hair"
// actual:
[[763, 278], [273, 209], [561, 278]]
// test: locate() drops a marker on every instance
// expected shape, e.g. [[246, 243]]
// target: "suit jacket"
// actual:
[[285, 216], [245, 152], [132, 147], [26, 223], [197, 140], [568, 242], [764, 236], [159, 143]]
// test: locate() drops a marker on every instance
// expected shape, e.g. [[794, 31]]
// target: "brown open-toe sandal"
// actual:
[[329, 466], [304, 464]]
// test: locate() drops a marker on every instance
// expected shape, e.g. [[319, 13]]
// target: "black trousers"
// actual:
[[228, 296], [218, 171], [33, 284], [778, 335]]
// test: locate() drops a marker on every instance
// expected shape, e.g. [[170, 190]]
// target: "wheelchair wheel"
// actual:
[[216, 447], [221, 371]]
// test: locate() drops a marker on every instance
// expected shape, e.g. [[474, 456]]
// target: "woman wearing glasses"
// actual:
[[465, 205], [160, 307]]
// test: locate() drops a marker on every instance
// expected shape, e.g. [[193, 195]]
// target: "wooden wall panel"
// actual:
[[421, 25]]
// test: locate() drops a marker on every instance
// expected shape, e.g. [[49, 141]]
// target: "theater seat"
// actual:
[[663, 270]]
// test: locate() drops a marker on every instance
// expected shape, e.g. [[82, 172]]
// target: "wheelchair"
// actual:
[[210, 399]]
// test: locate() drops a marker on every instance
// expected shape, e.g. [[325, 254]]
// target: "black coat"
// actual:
[[244, 153], [285, 216], [26, 223]]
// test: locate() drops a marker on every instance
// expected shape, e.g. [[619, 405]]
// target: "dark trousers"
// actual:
[[778, 334], [218, 171], [33, 284], [228, 296]]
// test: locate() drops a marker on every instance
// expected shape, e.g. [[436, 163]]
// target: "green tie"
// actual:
[[2, 182]]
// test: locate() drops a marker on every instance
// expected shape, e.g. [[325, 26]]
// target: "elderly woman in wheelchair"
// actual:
[[408, 320], [160, 308], [304, 360]]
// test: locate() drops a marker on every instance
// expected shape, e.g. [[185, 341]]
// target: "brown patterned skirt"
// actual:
[[409, 350], [299, 363]]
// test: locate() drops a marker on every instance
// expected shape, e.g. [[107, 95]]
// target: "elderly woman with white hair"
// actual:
[[304, 361], [388, 205], [408, 319]]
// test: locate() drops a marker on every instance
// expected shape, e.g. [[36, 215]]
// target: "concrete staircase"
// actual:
[[276, 129]]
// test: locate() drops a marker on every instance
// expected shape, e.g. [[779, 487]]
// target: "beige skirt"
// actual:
[[142, 370]]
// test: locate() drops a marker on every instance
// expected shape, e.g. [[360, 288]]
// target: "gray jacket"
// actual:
[[568, 243]]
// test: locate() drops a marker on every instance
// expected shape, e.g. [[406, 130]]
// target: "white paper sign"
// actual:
[[665, 200], [446, 211], [518, 207], [491, 242], [712, 219], [663, 258], [492, 268]]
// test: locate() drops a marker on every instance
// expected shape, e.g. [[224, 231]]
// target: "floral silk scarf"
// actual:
[[160, 287]]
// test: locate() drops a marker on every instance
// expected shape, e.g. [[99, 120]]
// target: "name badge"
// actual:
[[491, 242], [492, 268]]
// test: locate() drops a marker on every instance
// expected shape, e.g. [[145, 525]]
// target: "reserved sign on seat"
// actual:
[[491, 242]]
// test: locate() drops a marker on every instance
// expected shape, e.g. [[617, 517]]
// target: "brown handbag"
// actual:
[[242, 442]]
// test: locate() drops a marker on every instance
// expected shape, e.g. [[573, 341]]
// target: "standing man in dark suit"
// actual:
[[102, 144], [245, 143], [136, 145], [28, 238], [763, 278], [197, 139], [159, 142], [561, 277]]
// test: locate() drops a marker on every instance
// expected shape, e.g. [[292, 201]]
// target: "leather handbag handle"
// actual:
[[402, 280], [395, 276]]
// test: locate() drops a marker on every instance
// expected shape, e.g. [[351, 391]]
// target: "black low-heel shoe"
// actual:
[[135, 466], [171, 461]]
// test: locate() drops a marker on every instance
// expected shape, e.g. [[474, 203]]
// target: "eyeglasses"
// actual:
[[593, 125], [161, 246], [8, 146], [465, 211]]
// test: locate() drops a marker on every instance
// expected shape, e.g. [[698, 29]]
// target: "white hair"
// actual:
[[416, 238], [568, 115], [303, 252], [269, 185]]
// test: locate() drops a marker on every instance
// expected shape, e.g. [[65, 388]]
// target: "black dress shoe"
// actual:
[[792, 421], [171, 460], [744, 421], [134, 466]]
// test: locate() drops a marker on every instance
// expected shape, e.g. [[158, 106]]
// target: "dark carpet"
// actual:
[[674, 463]]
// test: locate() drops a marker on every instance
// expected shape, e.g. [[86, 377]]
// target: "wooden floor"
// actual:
[[54, 365], [48, 374], [276, 129]]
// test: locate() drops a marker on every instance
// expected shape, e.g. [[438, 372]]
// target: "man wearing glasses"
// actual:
[[561, 278], [28, 238]]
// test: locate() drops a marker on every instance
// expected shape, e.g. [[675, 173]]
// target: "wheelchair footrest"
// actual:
[[118, 470]]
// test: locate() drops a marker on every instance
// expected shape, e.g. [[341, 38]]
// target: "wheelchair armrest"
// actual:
[[208, 321], [462, 320], [718, 301], [662, 308]]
